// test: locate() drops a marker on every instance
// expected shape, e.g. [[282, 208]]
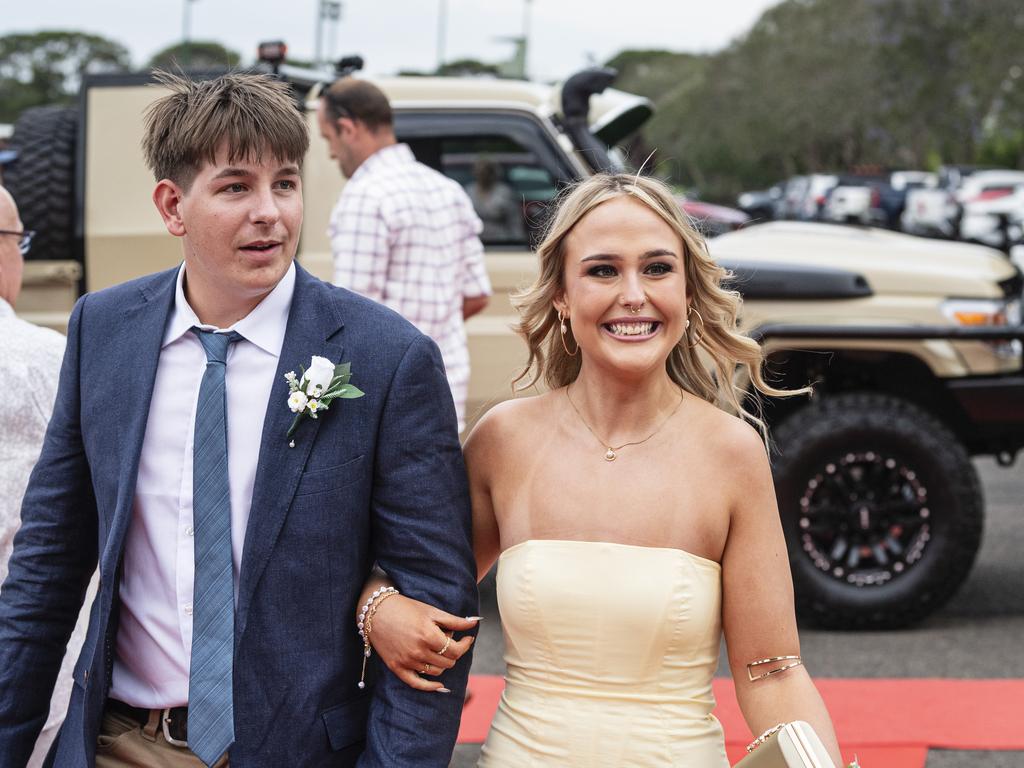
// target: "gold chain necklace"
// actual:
[[611, 453]]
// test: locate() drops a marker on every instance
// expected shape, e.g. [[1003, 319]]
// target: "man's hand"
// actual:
[[471, 305]]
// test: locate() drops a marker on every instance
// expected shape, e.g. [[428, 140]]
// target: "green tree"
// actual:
[[829, 85], [467, 68], [666, 78], [195, 55], [46, 67]]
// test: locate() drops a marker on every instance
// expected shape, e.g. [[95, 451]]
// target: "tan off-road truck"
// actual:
[[913, 345]]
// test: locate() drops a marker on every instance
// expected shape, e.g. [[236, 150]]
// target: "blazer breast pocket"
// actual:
[[328, 479]]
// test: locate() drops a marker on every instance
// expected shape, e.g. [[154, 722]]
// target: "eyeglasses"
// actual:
[[25, 241]]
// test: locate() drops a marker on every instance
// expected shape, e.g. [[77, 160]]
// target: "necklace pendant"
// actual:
[[609, 454]]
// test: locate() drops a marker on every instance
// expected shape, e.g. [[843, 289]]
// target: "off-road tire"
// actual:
[[905, 482], [42, 179]]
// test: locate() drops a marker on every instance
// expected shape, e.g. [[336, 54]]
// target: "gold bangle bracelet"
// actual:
[[797, 662]]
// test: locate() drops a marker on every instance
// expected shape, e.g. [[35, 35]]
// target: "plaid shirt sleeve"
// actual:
[[360, 244], [474, 271]]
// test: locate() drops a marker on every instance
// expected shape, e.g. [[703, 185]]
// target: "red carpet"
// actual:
[[888, 723]]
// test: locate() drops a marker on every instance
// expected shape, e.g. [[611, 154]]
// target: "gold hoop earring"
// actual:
[[562, 327], [700, 338]]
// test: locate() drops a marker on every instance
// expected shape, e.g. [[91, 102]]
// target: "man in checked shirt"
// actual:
[[402, 233]]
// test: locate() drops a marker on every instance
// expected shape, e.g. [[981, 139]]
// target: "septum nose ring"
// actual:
[[635, 309]]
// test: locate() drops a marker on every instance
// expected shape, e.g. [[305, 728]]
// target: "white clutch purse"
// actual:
[[792, 745]]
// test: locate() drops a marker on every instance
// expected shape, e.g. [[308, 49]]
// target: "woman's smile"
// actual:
[[632, 330]]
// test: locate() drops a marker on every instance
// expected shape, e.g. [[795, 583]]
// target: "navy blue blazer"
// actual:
[[375, 479]]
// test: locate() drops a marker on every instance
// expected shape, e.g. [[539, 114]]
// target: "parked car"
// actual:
[[932, 209], [712, 220], [790, 201], [988, 200], [873, 200], [760, 205], [812, 207], [855, 200]]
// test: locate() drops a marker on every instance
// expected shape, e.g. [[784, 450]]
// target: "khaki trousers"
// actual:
[[123, 743]]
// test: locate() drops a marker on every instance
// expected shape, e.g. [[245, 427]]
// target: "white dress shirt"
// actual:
[[154, 637]]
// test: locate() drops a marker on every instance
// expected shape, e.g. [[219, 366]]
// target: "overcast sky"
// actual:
[[565, 35]]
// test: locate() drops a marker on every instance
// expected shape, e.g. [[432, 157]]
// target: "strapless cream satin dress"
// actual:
[[610, 650]]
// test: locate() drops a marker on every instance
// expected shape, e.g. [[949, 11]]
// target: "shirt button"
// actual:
[[189, 531], [188, 609]]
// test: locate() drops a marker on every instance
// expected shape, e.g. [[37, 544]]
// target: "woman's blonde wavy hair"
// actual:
[[717, 335]]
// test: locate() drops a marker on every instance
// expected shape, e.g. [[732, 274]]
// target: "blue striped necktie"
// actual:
[[211, 720]]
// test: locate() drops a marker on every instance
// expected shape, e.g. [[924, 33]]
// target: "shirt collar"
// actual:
[[391, 155], [6, 310], [264, 326]]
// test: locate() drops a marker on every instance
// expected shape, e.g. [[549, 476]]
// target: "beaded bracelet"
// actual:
[[366, 607], [365, 624]]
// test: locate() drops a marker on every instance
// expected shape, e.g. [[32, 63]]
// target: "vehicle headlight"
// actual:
[[981, 313]]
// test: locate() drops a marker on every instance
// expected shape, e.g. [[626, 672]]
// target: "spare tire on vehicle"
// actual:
[[881, 507], [42, 179]]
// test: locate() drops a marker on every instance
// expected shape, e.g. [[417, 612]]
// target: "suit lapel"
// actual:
[[313, 328], [142, 331]]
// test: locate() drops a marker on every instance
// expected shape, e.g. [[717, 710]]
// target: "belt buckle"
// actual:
[[165, 720]]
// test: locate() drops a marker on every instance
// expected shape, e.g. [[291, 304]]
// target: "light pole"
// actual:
[[442, 28], [332, 9], [186, 32], [329, 10], [526, 35]]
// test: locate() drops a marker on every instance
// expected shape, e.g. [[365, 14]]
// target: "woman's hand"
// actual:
[[409, 636]]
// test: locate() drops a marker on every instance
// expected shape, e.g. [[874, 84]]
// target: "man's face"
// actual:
[[338, 135], [11, 262], [240, 225]]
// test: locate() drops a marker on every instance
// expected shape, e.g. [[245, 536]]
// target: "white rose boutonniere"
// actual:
[[319, 376], [313, 390]]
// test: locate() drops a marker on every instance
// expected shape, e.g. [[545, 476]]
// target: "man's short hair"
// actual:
[[358, 100], [252, 113]]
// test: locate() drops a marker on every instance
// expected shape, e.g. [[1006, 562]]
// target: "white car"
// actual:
[[850, 204], [989, 200], [930, 211]]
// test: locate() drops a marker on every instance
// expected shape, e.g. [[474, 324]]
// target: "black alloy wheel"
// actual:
[[881, 507]]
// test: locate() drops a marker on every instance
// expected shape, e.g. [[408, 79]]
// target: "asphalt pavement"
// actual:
[[976, 635]]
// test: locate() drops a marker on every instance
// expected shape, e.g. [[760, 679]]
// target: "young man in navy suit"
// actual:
[[231, 548]]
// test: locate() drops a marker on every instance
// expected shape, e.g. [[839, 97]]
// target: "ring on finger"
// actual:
[[447, 642], [426, 669]]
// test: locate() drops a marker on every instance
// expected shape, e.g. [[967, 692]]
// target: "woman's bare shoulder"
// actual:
[[505, 423], [731, 440]]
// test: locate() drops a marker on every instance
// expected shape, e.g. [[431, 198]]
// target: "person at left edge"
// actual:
[[230, 562], [30, 359]]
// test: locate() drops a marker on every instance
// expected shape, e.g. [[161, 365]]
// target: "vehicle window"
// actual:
[[506, 182]]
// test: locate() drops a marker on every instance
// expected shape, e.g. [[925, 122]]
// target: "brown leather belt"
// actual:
[[173, 720]]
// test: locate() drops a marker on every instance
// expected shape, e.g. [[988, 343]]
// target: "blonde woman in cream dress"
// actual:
[[633, 519]]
